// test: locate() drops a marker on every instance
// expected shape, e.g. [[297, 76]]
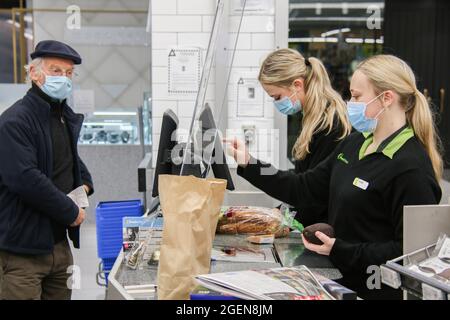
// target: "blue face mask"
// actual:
[[57, 87], [357, 115], [285, 105]]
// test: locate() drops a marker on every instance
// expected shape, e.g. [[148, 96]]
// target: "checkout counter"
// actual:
[[422, 227], [125, 283]]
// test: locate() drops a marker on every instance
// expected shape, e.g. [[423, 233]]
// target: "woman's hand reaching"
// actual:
[[238, 150]]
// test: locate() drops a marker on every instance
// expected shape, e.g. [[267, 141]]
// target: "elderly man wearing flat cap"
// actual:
[[39, 166]]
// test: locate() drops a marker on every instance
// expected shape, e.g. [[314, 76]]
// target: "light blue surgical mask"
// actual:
[[285, 105], [57, 87], [357, 116]]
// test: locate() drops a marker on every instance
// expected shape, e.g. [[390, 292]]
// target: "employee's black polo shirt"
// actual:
[[365, 197]]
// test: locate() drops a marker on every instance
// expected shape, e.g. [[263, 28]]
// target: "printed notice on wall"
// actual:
[[250, 98], [184, 70]]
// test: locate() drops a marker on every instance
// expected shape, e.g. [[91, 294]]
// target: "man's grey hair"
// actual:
[[37, 64]]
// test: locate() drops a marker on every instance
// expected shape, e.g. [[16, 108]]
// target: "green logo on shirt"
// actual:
[[342, 158]]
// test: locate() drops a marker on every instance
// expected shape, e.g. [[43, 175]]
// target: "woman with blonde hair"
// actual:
[[393, 161], [299, 84]]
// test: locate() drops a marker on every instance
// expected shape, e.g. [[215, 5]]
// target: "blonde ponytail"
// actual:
[[420, 117], [387, 72], [322, 104]]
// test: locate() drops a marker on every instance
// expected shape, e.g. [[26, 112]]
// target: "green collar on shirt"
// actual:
[[391, 145]]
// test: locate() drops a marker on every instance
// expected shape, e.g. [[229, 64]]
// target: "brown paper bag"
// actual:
[[191, 209]]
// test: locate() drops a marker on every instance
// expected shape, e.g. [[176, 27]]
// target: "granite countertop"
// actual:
[[289, 252]]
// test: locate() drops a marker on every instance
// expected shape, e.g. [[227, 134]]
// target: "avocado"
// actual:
[[310, 232]]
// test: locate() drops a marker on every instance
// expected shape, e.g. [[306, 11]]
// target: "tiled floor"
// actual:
[[86, 259]]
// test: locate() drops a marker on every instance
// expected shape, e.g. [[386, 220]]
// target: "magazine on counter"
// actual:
[[295, 283]]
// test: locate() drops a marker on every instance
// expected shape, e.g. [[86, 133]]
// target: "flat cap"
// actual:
[[53, 48]]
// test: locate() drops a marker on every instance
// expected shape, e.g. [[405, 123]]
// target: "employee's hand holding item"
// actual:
[[325, 248], [238, 150], [40, 166]]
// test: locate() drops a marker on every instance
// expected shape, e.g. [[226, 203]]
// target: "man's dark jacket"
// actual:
[[29, 201]]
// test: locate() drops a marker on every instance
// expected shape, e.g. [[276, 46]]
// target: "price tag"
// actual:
[[432, 293], [390, 277]]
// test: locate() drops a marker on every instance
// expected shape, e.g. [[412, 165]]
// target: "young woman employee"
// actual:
[[302, 85], [391, 162]]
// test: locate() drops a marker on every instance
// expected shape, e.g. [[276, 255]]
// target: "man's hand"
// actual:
[[80, 218]]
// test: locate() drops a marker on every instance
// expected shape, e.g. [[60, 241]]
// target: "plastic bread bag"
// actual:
[[289, 218], [248, 220]]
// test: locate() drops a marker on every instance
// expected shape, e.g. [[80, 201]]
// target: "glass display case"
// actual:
[[97, 130], [118, 127]]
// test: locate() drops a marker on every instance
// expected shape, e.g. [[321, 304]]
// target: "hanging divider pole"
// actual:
[[225, 96], [205, 79], [201, 94]]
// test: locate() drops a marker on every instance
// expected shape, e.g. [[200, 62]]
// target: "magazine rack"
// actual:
[[422, 225], [397, 274]]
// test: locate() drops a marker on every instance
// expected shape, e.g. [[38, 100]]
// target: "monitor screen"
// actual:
[[213, 153], [167, 143], [198, 164]]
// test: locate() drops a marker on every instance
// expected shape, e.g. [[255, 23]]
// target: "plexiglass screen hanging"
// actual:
[[203, 136]]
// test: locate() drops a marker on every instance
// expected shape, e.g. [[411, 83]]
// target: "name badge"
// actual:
[[359, 183]]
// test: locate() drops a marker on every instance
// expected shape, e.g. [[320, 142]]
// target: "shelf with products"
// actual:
[[118, 127], [424, 273], [110, 129], [107, 133]]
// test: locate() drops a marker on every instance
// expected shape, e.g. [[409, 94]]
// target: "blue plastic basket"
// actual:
[[109, 217], [108, 264]]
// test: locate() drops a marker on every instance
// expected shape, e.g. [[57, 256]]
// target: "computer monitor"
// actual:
[[213, 153], [195, 163], [170, 152], [167, 143]]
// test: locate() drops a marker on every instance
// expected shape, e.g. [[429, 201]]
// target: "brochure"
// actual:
[[142, 237]]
